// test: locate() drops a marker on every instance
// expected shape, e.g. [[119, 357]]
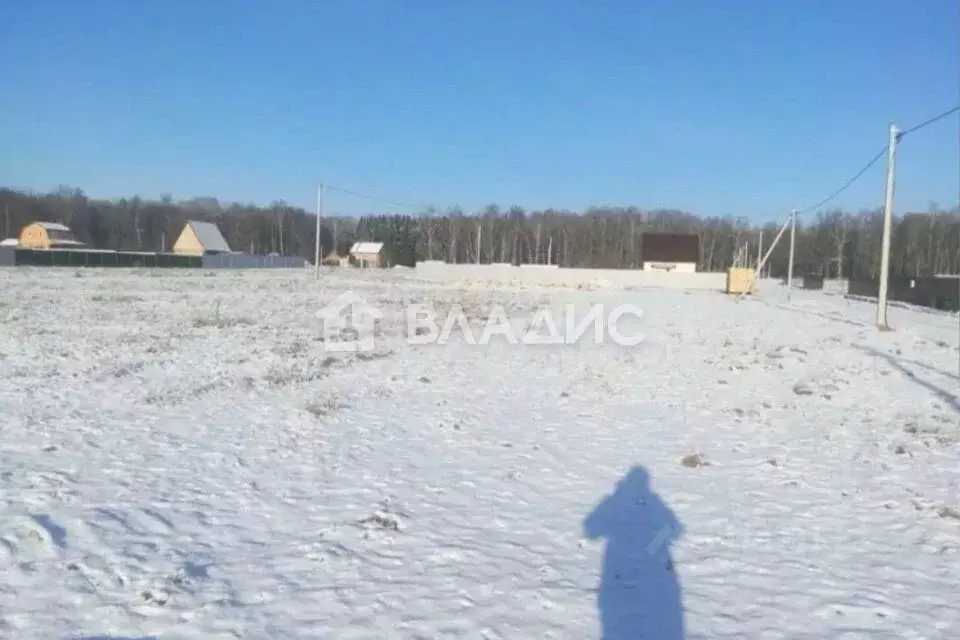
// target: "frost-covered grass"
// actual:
[[181, 457]]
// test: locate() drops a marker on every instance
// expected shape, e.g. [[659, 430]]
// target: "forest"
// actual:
[[831, 242]]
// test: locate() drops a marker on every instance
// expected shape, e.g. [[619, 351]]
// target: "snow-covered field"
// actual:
[[181, 457]]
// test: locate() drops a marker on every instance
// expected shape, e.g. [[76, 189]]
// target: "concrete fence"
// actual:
[[551, 275], [247, 261]]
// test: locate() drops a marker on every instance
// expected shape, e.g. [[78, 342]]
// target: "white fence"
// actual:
[[551, 275], [836, 285]]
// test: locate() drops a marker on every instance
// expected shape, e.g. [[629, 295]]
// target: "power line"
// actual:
[[876, 158], [927, 123], [396, 203], [847, 184]]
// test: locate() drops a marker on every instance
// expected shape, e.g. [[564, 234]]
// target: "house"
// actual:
[[334, 259], [678, 252], [200, 238], [47, 235], [367, 254]]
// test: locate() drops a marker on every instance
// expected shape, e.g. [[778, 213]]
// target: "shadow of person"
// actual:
[[639, 595]]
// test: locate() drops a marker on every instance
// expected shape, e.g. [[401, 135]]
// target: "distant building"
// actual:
[[678, 252], [334, 259], [199, 239], [367, 254], [47, 235]]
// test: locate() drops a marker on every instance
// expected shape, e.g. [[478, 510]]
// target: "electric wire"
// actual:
[[829, 198], [927, 123], [366, 196], [847, 184]]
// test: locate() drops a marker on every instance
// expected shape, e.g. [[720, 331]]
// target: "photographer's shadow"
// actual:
[[639, 595]]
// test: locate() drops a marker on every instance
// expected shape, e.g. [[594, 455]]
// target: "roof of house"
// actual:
[[52, 226], [366, 247], [209, 236]]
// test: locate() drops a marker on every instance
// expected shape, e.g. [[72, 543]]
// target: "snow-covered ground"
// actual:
[[182, 457]]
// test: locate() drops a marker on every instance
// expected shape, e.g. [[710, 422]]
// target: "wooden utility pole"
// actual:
[[430, 239], [536, 259], [316, 248]]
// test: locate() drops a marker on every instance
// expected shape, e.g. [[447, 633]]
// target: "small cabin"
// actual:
[[367, 254], [670, 252], [47, 235], [334, 259], [200, 239]]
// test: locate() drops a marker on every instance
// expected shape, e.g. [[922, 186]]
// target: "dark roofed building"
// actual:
[[670, 251]]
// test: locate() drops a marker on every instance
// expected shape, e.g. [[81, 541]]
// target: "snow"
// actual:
[[181, 457], [209, 236], [366, 247], [53, 226]]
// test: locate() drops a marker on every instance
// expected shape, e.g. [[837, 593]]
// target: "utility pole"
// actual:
[[479, 235], [759, 255], [536, 259], [316, 249], [763, 261], [736, 242], [793, 242], [887, 222], [550, 250]]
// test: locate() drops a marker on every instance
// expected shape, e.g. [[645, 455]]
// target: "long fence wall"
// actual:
[[936, 293], [13, 256], [45, 258], [551, 275], [246, 261]]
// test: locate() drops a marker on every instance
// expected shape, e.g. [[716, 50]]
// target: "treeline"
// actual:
[[830, 242]]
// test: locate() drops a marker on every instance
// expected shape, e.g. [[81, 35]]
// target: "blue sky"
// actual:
[[741, 107]]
